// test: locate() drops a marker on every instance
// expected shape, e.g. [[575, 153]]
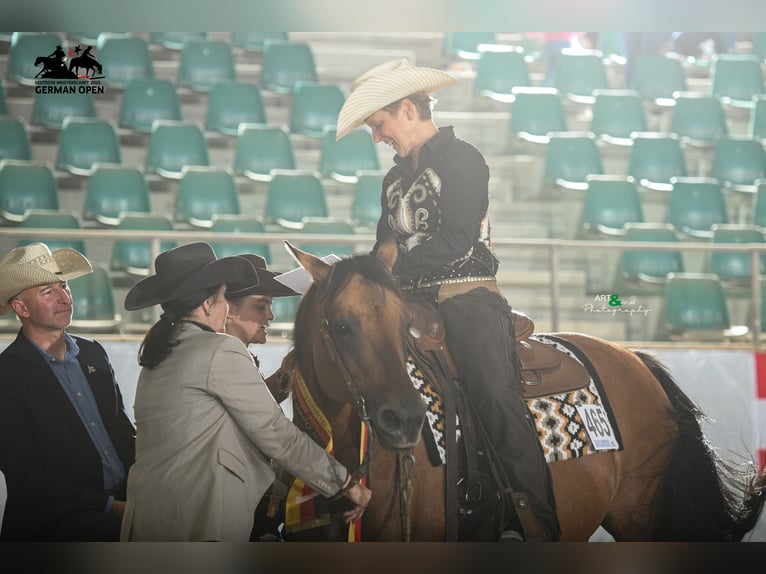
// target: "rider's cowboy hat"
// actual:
[[267, 285], [34, 264], [185, 270], [385, 84]]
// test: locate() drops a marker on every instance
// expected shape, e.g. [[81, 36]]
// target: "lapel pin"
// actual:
[[91, 369]]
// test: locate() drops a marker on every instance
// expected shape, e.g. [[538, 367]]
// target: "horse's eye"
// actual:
[[341, 329]]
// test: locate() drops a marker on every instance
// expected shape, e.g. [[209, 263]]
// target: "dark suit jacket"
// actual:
[[50, 463]]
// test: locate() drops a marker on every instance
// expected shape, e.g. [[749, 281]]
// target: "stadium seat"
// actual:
[[93, 303], [735, 79], [536, 112], [176, 40], [133, 256], [293, 195], [261, 148], [204, 192], [124, 58], [655, 158], [284, 310], [569, 158], [649, 268], [26, 185], [738, 163], [758, 45], [50, 110], [499, 71], [174, 145], [326, 226], [84, 142], [237, 224], [114, 189], [732, 266], [232, 103], [657, 77], [203, 63], [25, 49], [610, 202], [3, 104], [695, 204], [756, 127], [254, 41], [698, 120], [696, 307], [285, 63], [759, 206], [341, 160], [14, 140], [616, 115], [145, 100], [465, 45], [315, 106], [53, 219], [612, 46], [366, 206], [579, 73]]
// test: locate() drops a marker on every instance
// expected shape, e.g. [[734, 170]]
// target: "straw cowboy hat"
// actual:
[[384, 84], [267, 285], [185, 270], [35, 264]]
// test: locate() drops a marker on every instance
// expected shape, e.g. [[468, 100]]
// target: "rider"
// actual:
[[435, 203], [58, 56]]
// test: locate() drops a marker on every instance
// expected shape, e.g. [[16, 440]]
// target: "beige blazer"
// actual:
[[207, 429]]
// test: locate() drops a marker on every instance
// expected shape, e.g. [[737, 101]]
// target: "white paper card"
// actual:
[[299, 279]]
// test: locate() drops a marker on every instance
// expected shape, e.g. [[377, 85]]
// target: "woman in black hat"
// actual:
[[206, 434]]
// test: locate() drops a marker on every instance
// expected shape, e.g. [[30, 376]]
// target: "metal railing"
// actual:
[[554, 247]]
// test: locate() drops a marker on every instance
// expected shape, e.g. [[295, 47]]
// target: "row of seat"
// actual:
[[203, 193], [172, 145]]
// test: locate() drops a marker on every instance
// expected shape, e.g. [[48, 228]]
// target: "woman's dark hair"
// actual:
[[423, 102], [161, 338]]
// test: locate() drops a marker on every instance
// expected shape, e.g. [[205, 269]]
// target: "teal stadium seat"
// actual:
[[698, 120], [738, 163], [114, 189], [146, 100], [133, 256], [14, 139], [238, 224], [53, 219], [612, 46], [93, 303], [657, 77], [284, 309], [570, 157], [536, 113], [579, 73], [732, 266], [84, 142], [26, 185], [293, 195], [326, 226], [204, 192], [24, 51], [341, 160], [499, 71], [655, 158], [695, 204], [649, 268], [736, 79], [617, 114], [759, 205], [261, 148], [314, 107], [231, 104], [3, 104], [465, 45], [254, 41], [175, 145], [756, 127], [758, 45], [50, 110], [124, 58], [204, 63], [366, 207], [176, 40], [611, 202], [285, 63]]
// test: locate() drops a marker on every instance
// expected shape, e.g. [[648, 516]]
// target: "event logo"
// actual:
[[75, 71], [613, 304]]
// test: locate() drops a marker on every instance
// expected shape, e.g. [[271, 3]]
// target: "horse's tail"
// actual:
[[701, 496]]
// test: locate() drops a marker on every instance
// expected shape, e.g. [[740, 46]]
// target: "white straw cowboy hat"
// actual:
[[188, 269], [34, 264], [384, 84]]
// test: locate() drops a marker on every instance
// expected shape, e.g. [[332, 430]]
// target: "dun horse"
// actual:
[[664, 483]]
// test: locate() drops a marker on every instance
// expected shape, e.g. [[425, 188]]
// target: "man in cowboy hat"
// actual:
[[435, 203], [66, 443]]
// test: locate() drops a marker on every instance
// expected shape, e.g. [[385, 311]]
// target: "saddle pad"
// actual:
[[569, 425]]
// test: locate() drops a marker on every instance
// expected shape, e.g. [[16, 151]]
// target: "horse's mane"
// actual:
[[368, 267]]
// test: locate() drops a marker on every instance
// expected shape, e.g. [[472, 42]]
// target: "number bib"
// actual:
[[597, 426]]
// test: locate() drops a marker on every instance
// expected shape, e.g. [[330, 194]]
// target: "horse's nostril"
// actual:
[[390, 421]]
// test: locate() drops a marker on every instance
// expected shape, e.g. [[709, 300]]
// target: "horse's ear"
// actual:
[[388, 252], [317, 268]]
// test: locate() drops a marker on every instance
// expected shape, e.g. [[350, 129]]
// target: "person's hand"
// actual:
[[118, 507], [359, 495]]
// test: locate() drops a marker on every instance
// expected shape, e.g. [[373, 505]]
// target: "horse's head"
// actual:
[[350, 337]]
